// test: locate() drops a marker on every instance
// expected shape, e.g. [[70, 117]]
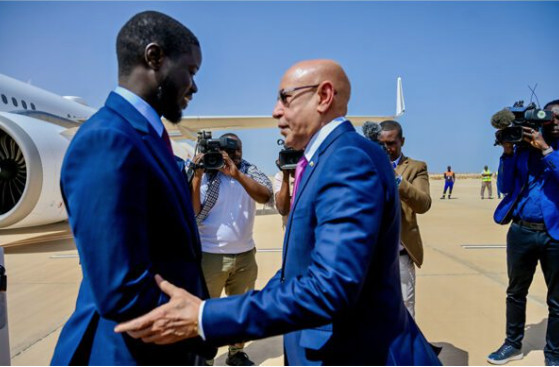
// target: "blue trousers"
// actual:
[[525, 247], [448, 184]]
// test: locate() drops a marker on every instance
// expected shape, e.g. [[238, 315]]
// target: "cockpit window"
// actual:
[[4, 99], [14, 101]]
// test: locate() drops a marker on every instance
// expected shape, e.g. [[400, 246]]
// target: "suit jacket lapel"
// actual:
[[153, 142], [159, 150], [313, 163], [402, 165]]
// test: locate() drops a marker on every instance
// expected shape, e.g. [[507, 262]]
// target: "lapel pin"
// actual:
[[311, 163]]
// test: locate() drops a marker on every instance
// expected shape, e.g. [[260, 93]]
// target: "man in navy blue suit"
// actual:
[[128, 204], [529, 178], [337, 297]]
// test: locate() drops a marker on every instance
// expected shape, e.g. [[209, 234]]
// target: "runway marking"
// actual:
[[492, 276], [39, 339], [482, 247], [64, 256]]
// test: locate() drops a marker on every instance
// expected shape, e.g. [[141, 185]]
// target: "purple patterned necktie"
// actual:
[[301, 165]]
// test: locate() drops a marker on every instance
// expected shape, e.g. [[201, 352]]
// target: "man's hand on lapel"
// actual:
[[169, 323]]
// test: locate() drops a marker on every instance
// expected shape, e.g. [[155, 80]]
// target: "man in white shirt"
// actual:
[[224, 203]]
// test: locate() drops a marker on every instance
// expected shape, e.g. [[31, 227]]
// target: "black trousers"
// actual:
[[525, 247]]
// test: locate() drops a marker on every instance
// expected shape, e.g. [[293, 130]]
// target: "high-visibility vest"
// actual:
[[486, 176], [448, 175]]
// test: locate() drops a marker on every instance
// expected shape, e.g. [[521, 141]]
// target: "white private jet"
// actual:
[[36, 127]]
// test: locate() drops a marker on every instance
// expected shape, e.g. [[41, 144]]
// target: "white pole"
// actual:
[[4, 336]]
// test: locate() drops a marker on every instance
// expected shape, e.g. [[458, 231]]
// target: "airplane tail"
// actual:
[[400, 104]]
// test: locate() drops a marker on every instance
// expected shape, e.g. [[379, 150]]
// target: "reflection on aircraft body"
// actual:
[[36, 127]]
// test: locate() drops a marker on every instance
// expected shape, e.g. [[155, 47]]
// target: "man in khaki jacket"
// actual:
[[413, 188]]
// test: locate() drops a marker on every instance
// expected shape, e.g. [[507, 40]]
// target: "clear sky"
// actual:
[[460, 61]]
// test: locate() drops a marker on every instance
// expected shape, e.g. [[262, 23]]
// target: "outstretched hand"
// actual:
[[169, 323]]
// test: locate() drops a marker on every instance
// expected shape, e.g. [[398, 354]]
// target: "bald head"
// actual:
[[312, 72], [312, 93]]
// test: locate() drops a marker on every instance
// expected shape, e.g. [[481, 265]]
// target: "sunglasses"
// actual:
[[283, 94]]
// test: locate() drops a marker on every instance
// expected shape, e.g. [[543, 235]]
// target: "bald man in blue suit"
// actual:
[[337, 297]]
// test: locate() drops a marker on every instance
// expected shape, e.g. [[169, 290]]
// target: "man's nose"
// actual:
[[193, 88], [278, 110]]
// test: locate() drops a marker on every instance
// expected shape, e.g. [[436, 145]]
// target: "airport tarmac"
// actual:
[[460, 295]]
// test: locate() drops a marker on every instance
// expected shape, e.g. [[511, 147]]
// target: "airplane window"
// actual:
[[33, 106], [4, 99], [24, 104], [14, 101]]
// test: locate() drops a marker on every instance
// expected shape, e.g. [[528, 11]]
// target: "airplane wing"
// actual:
[[189, 126]]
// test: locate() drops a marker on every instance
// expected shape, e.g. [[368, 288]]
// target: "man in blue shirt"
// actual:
[[529, 177]]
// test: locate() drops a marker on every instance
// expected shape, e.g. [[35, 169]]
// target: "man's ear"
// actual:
[[403, 140], [326, 94], [153, 55]]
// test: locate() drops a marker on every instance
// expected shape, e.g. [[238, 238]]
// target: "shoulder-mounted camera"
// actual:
[[510, 120]]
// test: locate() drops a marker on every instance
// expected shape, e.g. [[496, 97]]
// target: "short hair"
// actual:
[[389, 125], [549, 104], [147, 27], [231, 135]]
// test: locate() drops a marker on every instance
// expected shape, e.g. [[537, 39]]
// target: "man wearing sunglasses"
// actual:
[[529, 178], [337, 297]]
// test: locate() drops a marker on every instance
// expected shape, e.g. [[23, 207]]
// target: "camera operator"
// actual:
[[529, 178], [224, 204]]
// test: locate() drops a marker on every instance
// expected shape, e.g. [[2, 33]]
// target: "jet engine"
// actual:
[[31, 155]]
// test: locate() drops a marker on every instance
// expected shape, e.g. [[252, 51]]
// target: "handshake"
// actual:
[[174, 321]]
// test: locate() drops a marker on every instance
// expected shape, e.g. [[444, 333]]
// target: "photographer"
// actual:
[[224, 204], [529, 178]]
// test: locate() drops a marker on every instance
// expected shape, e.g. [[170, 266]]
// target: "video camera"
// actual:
[[510, 120], [288, 157], [213, 160]]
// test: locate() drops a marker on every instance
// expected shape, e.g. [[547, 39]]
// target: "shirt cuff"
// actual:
[[548, 151], [200, 327]]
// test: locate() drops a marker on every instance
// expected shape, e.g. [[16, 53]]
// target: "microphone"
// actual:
[[372, 130], [502, 119]]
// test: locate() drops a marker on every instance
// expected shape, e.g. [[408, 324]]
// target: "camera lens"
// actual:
[[213, 160]]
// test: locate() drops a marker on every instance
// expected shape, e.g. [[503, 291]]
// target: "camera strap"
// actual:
[[212, 194], [214, 180]]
